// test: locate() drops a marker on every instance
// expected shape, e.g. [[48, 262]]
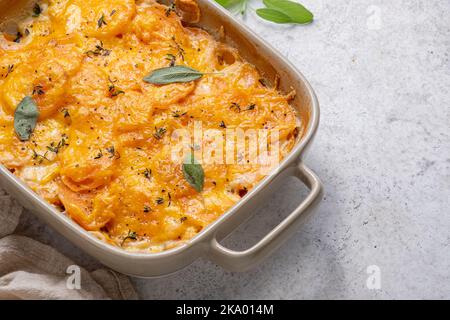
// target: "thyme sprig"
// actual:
[[37, 10], [101, 22], [132, 235], [147, 173], [159, 133], [98, 51], [40, 157], [55, 148]]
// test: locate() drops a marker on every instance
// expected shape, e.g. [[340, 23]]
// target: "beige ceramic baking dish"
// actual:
[[207, 243]]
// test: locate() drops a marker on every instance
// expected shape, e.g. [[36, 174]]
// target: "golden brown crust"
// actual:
[[104, 143]]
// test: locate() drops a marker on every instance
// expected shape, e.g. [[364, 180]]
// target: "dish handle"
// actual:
[[244, 260]]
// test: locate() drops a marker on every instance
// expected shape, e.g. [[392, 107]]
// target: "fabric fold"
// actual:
[[32, 270]]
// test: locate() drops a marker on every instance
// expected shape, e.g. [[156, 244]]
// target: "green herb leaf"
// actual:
[[278, 11], [114, 92], [40, 157], [295, 11], [39, 90], [147, 173], [99, 51], [101, 22], [159, 133], [273, 15], [19, 36], [170, 9], [53, 147], [170, 57], [193, 173], [229, 3], [132, 235], [25, 118], [65, 112], [173, 74], [99, 154], [178, 114], [251, 107], [235, 106], [37, 10], [10, 69], [113, 153]]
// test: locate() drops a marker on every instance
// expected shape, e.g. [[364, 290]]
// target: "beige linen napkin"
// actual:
[[32, 270]]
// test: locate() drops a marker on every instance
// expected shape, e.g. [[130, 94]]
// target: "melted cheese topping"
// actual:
[[98, 151]]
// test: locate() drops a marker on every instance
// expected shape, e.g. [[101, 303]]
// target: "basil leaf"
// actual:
[[174, 74], [295, 11], [193, 173], [273, 15], [234, 5], [25, 118], [228, 3]]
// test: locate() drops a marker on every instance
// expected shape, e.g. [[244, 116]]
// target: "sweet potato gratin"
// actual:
[[91, 93]]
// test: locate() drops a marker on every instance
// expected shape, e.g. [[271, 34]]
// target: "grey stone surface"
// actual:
[[383, 152]]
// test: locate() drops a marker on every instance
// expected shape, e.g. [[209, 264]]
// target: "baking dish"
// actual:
[[207, 243]]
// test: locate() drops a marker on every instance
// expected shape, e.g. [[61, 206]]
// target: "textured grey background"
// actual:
[[382, 73]]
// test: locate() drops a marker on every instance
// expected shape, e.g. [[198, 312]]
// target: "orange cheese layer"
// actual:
[[96, 152]]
